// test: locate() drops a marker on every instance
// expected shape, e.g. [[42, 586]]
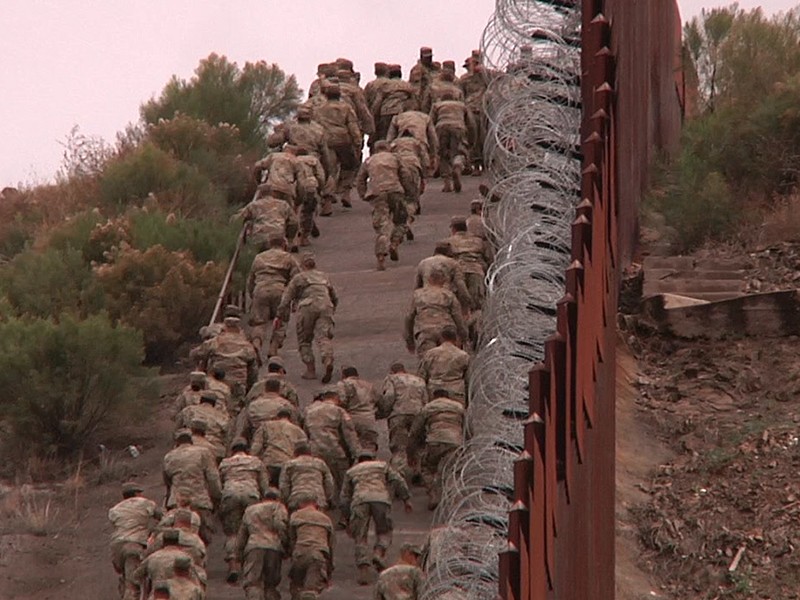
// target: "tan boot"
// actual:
[[381, 263], [311, 371], [457, 179], [447, 186], [326, 378], [364, 575], [234, 570]]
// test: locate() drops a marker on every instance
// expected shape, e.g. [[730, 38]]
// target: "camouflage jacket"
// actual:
[[243, 475], [287, 390], [372, 481], [358, 397], [441, 421], [413, 154], [433, 308], [453, 275], [268, 216], [215, 421], [438, 91], [354, 96], [259, 411], [192, 471], [330, 431], [133, 519], [265, 526], [452, 114], [372, 88], [309, 135], [310, 530], [404, 394], [188, 541], [233, 352], [394, 97], [182, 588], [400, 582], [161, 565], [274, 441], [280, 168], [474, 86], [470, 251], [272, 268], [306, 477], [419, 124], [383, 173], [310, 175], [340, 123], [308, 288], [445, 367], [187, 397], [476, 227]]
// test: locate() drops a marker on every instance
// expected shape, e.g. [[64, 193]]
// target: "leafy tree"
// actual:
[[60, 381], [250, 98], [703, 37]]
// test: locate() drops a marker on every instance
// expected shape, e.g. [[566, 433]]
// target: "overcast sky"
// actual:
[[92, 63]]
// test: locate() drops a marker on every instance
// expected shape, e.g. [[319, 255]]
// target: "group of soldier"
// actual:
[[281, 479]]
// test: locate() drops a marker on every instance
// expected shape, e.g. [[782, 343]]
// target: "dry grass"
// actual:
[[31, 511]]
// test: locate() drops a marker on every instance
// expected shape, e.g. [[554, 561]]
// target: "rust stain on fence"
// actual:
[[561, 526]]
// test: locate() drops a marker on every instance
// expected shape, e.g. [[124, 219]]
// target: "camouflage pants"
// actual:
[[348, 164], [366, 432], [476, 154], [126, 558], [451, 149], [338, 466], [206, 523], [382, 124], [315, 324], [428, 338], [456, 389], [399, 426], [386, 222], [476, 286], [266, 299], [261, 574], [231, 510], [309, 573], [433, 460], [360, 516], [306, 207]]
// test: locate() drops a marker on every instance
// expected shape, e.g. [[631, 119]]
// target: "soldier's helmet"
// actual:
[[131, 487], [330, 391]]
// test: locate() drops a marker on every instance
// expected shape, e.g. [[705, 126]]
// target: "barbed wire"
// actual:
[[532, 55]]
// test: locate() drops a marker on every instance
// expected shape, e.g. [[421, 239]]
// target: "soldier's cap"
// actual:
[[330, 391], [458, 221], [172, 535], [366, 453], [476, 54], [162, 585], [208, 396], [345, 64], [131, 487], [183, 563], [381, 66], [410, 547], [326, 68], [232, 321], [198, 425], [476, 202], [231, 310], [395, 67], [275, 237], [449, 65], [271, 494], [331, 88], [308, 257], [239, 444], [277, 361], [426, 51], [197, 377], [343, 75], [183, 433]]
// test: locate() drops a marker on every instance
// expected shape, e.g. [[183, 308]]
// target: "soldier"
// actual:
[[450, 268], [475, 224], [232, 351], [358, 398], [269, 215], [182, 585], [324, 71], [274, 443], [414, 155], [305, 134], [264, 408], [160, 565], [419, 124], [473, 254], [306, 477], [214, 329], [132, 519], [311, 543], [216, 422], [191, 470], [404, 580], [393, 97], [367, 493], [271, 271], [277, 170], [433, 307], [474, 84], [245, 480], [354, 96], [404, 395], [216, 383], [315, 297], [168, 520], [190, 395], [276, 369], [331, 434], [310, 184], [443, 86], [383, 181], [446, 366], [454, 126], [199, 439], [439, 429], [261, 545], [371, 91], [422, 73], [161, 590], [344, 140], [188, 541]]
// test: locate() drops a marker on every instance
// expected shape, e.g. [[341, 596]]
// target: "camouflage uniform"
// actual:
[[280, 176], [394, 97], [274, 443], [287, 389], [439, 429], [476, 227], [232, 351], [261, 410], [189, 395], [404, 395], [223, 392], [445, 367], [439, 90], [310, 184], [311, 539], [367, 495], [160, 566], [344, 139], [452, 272], [358, 398], [316, 301], [355, 97], [269, 216], [332, 437], [168, 520], [419, 125], [184, 588], [190, 543], [131, 519], [261, 544], [304, 133], [474, 255], [304, 478], [400, 582], [216, 424], [383, 181], [432, 308], [414, 156], [192, 472], [244, 481], [474, 84], [421, 76], [453, 123], [271, 272]]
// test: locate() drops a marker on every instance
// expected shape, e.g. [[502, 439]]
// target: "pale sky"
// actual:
[[92, 63]]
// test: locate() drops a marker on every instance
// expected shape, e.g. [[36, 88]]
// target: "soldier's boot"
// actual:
[[379, 559], [326, 378], [314, 230], [325, 209], [303, 240], [311, 371], [457, 179], [364, 575], [234, 570], [448, 186], [409, 233], [346, 202], [382, 262], [274, 347], [393, 255]]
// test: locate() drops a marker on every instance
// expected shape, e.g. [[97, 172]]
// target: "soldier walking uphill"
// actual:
[[245, 481], [312, 292], [215, 422], [384, 181], [442, 262], [445, 367], [367, 493], [274, 442], [311, 543], [358, 397], [454, 126], [311, 182], [160, 566], [270, 273], [132, 519], [404, 580], [261, 544], [433, 308], [392, 98], [306, 477]]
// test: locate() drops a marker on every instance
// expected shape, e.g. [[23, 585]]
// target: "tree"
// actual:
[[703, 38], [251, 98]]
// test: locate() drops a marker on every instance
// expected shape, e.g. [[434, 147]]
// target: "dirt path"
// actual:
[[72, 560]]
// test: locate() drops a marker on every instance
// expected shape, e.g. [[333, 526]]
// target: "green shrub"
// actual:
[[60, 381], [165, 295]]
